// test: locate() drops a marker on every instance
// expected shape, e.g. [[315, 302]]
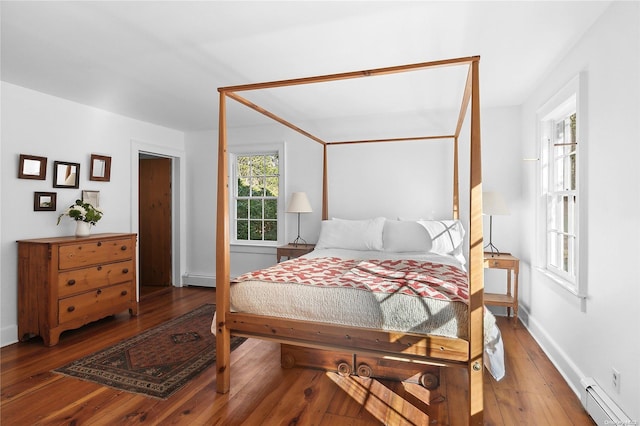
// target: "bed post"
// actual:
[[456, 186], [325, 190], [223, 338], [475, 367]]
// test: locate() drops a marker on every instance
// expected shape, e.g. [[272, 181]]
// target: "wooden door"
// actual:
[[154, 222]]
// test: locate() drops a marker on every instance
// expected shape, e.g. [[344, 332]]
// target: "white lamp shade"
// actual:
[[299, 203], [493, 204]]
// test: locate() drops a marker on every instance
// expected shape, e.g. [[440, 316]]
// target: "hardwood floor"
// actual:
[[533, 392]]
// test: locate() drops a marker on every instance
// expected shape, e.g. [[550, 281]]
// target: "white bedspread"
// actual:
[[358, 308]]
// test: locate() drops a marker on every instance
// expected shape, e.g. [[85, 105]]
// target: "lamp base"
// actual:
[[490, 248], [298, 241]]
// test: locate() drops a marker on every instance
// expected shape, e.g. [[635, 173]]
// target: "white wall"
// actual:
[[38, 124], [588, 338]]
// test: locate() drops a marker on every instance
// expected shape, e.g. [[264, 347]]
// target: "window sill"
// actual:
[[254, 248], [570, 287]]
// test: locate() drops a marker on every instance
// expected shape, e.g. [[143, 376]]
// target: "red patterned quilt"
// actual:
[[410, 277]]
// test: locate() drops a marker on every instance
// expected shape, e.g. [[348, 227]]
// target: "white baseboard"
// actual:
[[8, 335], [567, 368], [574, 377], [199, 280]]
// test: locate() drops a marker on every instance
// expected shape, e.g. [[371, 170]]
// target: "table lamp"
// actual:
[[493, 203], [299, 203]]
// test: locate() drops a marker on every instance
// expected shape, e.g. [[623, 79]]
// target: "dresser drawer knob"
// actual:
[[99, 291], [71, 308], [123, 293], [99, 268], [71, 282], [125, 271], [99, 243], [123, 248]]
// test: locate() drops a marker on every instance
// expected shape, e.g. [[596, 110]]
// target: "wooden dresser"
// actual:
[[66, 282]]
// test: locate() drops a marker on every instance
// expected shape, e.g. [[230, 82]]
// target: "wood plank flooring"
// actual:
[[262, 393]]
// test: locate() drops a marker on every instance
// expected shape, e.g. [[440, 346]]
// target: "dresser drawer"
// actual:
[[94, 253], [95, 303], [93, 277]]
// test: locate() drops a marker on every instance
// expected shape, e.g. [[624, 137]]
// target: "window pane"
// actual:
[[257, 165], [271, 209], [271, 165], [272, 186], [243, 165], [572, 171], [242, 209], [571, 253], [565, 253], [255, 188], [558, 181], [243, 187], [260, 187], [255, 230], [242, 230], [560, 131], [270, 230], [565, 214], [256, 209]]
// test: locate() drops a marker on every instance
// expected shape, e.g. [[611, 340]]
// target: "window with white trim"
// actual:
[[255, 196], [560, 142]]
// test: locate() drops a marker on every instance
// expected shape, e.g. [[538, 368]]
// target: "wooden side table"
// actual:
[[291, 251], [512, 265]]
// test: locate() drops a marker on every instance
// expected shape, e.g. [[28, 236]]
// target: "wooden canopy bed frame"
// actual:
[[443, 351]]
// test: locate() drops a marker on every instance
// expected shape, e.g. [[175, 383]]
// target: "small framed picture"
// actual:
[[32, 167], [100, 169], [91, 197], [44, 201]]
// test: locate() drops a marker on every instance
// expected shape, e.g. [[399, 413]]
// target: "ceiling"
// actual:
[[162, 61]]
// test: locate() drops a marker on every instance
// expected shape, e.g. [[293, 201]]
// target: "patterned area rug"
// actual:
[[157, 362]]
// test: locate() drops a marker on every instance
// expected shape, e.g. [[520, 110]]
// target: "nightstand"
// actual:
[[291, 251], [510, 299]]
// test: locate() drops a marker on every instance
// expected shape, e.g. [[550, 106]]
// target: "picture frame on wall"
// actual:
[[66, 174], [44, 201], [91, 197], [100, 168], [32, 167]]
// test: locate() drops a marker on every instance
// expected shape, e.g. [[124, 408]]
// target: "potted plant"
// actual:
[[85, 215]]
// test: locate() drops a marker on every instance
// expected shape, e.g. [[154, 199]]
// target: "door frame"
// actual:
[[178, 205]]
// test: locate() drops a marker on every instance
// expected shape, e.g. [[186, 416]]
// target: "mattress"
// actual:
[[354, 306]]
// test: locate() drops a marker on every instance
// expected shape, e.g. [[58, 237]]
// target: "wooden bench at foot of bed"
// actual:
[[346, 364]]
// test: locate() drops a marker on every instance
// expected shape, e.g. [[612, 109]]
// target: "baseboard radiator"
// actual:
[[600, 407]]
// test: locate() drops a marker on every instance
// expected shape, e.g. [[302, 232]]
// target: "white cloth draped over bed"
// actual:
[[361, 306]]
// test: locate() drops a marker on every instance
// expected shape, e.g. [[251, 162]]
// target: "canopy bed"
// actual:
[[457, 348]]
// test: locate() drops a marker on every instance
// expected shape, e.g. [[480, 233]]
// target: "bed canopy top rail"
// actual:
[[350, 75], [239, 324]]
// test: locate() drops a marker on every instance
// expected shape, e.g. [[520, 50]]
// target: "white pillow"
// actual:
[[405, 236], [351, 234], [447, 237]]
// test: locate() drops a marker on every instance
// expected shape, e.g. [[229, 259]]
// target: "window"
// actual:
[[561, 142], [257, 183], [562, 197]]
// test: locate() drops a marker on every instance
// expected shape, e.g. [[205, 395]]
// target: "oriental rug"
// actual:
[[159, 361]]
